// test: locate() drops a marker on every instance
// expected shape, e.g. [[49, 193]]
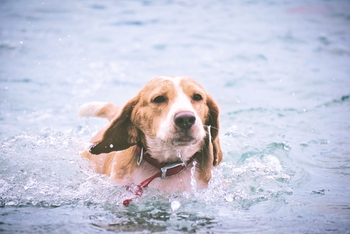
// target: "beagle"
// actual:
[[165, 138]]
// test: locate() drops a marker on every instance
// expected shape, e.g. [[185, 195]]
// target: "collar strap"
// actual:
[[168, 169], [165, 170]]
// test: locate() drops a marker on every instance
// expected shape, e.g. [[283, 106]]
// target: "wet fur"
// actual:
[[114, 151]]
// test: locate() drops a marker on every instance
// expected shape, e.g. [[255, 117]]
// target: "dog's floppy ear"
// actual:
[[213, 121], [121, 133]]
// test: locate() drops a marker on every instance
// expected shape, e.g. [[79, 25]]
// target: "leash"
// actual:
[[165, 170]]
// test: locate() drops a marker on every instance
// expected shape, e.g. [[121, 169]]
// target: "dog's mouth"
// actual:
[[183, 140], [185, 137]]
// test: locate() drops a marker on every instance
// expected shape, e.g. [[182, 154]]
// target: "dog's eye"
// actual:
[[159, 99], [197, 97]]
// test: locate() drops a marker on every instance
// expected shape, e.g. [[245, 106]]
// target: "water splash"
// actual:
[[45, 170], [58, 177], [244, 181], [193, 178]]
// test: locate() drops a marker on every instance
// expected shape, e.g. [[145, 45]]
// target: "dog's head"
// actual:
[[171, 110]]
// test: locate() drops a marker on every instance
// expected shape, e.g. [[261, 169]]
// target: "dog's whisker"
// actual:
[[210, 126]]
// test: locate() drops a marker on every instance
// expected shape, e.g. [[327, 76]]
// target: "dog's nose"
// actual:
[[185, 119]]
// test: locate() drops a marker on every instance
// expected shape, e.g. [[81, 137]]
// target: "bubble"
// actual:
[[111, 146]]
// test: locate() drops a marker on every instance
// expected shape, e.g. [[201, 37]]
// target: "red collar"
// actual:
[[165, 170]]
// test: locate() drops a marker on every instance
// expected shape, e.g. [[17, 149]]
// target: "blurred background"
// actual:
[[279, 71]]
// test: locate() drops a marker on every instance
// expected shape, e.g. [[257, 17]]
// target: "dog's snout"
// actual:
[[185, 119]]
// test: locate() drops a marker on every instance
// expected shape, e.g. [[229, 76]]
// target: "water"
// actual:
[[278, 69]]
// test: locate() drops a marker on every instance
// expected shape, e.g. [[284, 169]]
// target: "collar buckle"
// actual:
[[172, 166]]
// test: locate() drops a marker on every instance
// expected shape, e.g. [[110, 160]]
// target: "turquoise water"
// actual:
[[278, 70]]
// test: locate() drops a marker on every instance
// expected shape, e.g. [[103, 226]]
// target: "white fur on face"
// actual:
[[165, 143]]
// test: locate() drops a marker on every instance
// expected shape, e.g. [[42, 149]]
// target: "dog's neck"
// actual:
[[166, 152]]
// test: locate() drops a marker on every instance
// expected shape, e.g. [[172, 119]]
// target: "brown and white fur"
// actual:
[[169, 115]]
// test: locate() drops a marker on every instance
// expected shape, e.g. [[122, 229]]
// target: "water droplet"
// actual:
[[193, 179], [175, 205], [229, 197], [287, 146], [320, 192]]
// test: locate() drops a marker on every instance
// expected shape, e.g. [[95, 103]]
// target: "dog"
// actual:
[[166, 137]]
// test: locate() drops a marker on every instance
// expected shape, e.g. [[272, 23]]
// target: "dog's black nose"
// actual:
[[185, 119]]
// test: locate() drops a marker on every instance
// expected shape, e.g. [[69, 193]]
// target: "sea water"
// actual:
[[279, 70]]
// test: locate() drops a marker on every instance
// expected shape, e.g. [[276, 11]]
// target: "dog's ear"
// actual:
[[213, 121], [121, 133]]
